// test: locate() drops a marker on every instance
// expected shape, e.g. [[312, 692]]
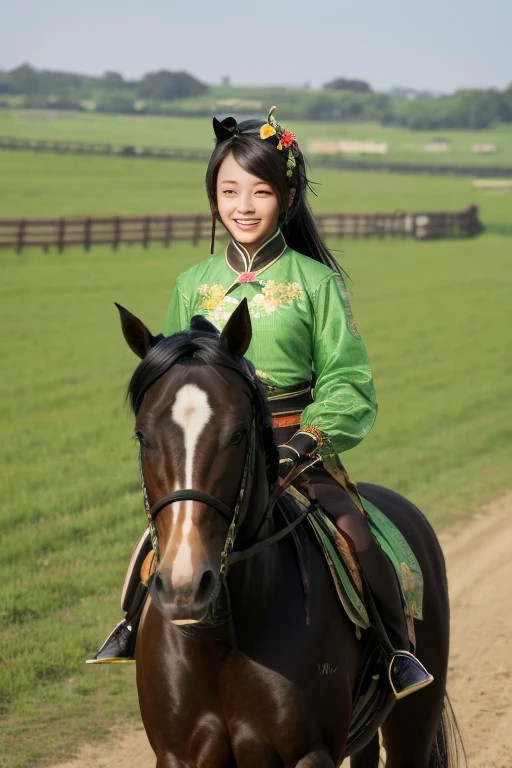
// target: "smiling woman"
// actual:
[[258, 182]]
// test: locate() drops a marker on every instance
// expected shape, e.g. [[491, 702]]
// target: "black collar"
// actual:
[[239, 259]]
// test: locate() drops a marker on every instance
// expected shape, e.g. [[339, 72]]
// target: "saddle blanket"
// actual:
[[345, 569]]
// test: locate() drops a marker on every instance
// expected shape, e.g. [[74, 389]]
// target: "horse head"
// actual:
[[201, 425]]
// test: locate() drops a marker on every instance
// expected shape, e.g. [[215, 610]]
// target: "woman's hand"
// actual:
[[299, 448]]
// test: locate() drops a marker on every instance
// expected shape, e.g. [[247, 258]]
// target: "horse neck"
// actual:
[[251, 582]]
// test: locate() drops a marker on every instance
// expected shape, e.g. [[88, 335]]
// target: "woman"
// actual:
[[304, 337]]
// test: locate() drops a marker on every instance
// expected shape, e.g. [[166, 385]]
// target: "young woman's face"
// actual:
[[247, 205]]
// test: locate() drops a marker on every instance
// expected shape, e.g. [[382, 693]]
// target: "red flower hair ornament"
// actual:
[[284, 138]]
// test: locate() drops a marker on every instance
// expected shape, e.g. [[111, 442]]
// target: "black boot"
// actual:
[[406, 674], [119, 647]]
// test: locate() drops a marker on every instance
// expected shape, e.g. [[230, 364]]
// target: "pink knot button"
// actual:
[[246, 277]]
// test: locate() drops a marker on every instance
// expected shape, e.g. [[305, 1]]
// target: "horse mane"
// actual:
[[195, 347]]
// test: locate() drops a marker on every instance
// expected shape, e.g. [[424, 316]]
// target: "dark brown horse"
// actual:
[[230, 671]]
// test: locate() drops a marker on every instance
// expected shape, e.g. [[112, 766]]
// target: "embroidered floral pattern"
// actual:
[[272, 296], [263, 376], [212, 295], [223, 311]]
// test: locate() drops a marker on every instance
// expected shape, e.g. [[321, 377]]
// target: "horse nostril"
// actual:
[[206, 587]]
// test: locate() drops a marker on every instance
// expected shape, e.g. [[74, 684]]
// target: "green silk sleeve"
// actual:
[[178, 313], [344, 408]]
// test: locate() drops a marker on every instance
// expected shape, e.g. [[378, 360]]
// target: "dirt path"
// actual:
[[480, 679]]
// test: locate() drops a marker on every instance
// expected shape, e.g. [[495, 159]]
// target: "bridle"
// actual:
[[235, 515]]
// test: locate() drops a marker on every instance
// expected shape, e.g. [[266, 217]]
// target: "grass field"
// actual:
[[54, 185], [404, 145], [435, 317]]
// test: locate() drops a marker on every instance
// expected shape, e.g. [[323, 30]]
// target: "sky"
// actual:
[[439, 45]]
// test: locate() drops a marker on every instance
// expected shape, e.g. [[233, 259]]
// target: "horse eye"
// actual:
[[237, 437], [139, 436]]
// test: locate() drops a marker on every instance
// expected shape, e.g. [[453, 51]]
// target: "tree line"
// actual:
[[163, 85], [178, 93]]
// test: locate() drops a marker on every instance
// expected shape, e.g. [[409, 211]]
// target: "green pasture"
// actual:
[[196, 132], [435, 317], [66, 185]]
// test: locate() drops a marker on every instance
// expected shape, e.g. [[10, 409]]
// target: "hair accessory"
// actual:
[[225, 129], [285, 140]]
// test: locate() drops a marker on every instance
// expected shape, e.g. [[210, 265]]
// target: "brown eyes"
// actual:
[[231, 192]]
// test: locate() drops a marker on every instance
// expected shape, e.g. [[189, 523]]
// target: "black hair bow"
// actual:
[[225, 129]]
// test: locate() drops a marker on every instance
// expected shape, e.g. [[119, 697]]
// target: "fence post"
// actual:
[[21, 234], [60, 234], [168, 231], [197, 229], [145, 231], [87, 234], [117, 232]]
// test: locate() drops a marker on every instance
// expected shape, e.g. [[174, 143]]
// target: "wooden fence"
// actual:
[[98, 148], [166, 229], [200, 155]]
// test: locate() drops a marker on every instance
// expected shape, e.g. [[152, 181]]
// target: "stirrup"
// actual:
[[407, 674], [118, 648]]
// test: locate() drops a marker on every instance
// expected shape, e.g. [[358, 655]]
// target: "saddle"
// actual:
[[345, 571]]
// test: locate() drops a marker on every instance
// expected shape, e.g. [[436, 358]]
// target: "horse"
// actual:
[[231, 670]]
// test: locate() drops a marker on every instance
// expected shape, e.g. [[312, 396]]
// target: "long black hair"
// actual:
[[261, 158]]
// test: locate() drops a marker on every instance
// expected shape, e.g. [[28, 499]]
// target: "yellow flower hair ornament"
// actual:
[[285, 140], [266, 131]]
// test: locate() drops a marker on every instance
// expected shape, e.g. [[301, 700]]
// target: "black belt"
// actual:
[[287, 404]]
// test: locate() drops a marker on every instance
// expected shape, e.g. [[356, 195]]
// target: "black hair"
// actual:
[[261, 158]]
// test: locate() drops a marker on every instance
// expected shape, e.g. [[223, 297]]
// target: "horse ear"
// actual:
[[137, 336], [237, 333], [200, 323]]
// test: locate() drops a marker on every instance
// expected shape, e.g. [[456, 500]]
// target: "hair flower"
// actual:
[[284, 140], [266, 131], [287, 139]]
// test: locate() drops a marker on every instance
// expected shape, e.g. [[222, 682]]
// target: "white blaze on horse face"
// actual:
[[191, 411]]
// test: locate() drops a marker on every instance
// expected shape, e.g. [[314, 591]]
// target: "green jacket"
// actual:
[[302, 326]]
